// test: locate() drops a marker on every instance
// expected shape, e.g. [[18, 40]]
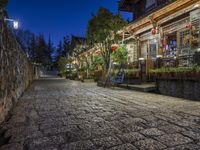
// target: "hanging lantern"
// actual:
[[114, 47], [154, 31], [189, 26]]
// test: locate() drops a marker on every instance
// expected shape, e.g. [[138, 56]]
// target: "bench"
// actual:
[[119, 79]]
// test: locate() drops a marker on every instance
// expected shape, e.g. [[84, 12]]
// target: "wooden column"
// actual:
[[138, 48], [178, 43]]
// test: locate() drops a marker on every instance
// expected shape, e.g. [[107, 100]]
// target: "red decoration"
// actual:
[[164, 43], [114, 47], [189, 26], [154, 31]]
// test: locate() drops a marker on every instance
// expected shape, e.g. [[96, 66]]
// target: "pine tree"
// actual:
[[33, 48], [3, 12], [49, 50], [24, 38], [59, 50], [66, 46], [41, 50]]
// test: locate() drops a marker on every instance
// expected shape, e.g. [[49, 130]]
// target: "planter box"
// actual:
[[179, 76], [132, 81], [183, 88]]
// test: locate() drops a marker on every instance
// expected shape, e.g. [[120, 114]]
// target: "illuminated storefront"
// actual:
[[171, 32]]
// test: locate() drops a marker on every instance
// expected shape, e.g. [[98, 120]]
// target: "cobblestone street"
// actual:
[[70, 115]]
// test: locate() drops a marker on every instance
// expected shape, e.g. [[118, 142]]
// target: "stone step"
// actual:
[[146, 87]]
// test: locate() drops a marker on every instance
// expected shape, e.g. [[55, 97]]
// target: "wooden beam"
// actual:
[[162, 13]]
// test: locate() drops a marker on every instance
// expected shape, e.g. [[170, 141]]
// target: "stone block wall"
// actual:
[[16, 72], [183, 88]]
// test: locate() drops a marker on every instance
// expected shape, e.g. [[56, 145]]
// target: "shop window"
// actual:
[[170, 51], [185, 37], [153, 48], [171, 47], [144, 50], [195, 39]]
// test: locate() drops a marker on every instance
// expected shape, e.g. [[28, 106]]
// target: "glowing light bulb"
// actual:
[[15, 24]]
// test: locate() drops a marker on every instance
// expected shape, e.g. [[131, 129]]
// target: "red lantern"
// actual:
[[114, 47], [154, 31], [189, 26]]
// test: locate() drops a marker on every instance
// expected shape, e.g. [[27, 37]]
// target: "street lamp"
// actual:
[[14, 22]]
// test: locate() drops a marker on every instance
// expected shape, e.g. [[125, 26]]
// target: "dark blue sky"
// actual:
[[57, 17]]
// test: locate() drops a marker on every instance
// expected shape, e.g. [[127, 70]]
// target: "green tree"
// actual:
[[37, 49], [59, 49], [24, 38], [58, 54], [42, 53], [50, 50], [63, 48], [97, 60], [66, 45], [3, 12], [61, 65], [102, 32], [120, 56], [33, 48]]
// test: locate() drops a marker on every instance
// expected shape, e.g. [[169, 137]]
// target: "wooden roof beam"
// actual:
[[166, 11]]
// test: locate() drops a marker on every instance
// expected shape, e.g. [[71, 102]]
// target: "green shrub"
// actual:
[[97, 60], [61, 65], [194, 68], [120, 55]]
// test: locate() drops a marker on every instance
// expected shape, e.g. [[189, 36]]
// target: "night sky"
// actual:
[[57, 17]]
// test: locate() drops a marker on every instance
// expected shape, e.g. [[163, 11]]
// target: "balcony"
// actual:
[[138, 7], [126, 5]]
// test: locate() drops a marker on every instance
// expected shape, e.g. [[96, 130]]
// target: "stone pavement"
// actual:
[[69, 115]]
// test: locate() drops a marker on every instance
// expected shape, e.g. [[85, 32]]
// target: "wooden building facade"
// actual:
[[167, 29]]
